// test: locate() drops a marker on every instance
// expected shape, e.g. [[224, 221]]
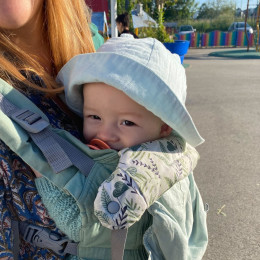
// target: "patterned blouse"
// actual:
[[19, 198]]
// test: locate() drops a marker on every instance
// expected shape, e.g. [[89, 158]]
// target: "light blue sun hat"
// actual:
[[144, 70]]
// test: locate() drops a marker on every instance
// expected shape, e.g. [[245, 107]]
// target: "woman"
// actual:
[[123, 23], [37, 37]]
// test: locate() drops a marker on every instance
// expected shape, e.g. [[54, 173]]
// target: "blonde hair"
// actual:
[[67, 33]]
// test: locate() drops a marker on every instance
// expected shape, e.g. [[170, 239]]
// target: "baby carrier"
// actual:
[[80, 171]]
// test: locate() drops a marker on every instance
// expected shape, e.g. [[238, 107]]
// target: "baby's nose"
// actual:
[[107, 133]]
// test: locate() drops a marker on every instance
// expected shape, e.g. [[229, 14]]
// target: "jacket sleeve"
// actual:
[[179, 226], [61, 207]]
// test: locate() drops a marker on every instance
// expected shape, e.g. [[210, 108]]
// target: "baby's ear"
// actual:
[[165, 130]]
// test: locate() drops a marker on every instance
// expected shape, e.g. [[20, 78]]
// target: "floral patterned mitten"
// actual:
[[143, 174]]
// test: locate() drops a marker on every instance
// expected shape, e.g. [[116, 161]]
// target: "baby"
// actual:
[[131, 94]]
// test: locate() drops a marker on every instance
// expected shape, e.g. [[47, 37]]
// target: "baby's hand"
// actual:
[[37, 174]]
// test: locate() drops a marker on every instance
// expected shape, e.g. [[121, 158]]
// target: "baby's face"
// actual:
[[113, 117]]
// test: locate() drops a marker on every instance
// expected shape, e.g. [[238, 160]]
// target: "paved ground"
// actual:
[[224, 101]]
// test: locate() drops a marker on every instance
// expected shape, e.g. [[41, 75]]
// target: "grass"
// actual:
[[237, 54]]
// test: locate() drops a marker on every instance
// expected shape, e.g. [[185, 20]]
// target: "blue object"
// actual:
[[100, 20], [182, 58], [179, 47]]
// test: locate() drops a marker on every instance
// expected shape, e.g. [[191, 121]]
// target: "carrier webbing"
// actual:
[[118, 239], [60, 154]]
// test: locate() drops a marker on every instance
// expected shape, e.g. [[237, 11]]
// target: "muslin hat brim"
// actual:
[[141, 81]]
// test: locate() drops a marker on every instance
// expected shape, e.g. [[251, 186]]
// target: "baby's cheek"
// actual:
[[87, 133], [136, 138]]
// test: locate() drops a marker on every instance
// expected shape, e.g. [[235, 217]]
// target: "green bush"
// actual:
[[201, 26], [158, 32], [155, 32]]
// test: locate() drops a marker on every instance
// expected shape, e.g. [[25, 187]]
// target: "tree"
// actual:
[[179, 9], [257, 28], [206, 12], [245, 25], [152, 7], [215, 8], [158, 32], [124, 6]]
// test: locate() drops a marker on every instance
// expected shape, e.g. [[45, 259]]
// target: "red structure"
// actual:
[[98, 6]]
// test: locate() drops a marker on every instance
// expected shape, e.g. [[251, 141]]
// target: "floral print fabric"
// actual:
[[143, 174]]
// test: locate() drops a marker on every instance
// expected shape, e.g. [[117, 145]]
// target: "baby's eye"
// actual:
[[128, 123], [95, 117]]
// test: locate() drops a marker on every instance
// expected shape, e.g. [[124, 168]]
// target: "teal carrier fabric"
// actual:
[[174, 227]]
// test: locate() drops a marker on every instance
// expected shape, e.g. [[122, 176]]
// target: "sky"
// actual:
[[239, 3]]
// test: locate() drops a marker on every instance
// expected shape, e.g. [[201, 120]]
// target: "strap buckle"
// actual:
[[29, 120], [45, 238]]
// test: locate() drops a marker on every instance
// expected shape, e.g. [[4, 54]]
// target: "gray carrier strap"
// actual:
[[59, 153], [45, 238], [118, 239], [16, 239]]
